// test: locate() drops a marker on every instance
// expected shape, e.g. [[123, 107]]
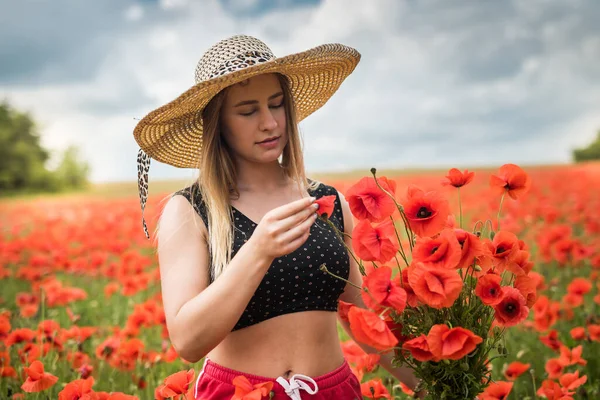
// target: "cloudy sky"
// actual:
[[440, 83]]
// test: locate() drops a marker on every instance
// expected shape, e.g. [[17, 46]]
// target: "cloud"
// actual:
[[439, 83]]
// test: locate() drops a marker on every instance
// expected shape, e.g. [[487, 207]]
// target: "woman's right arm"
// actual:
[[198, 315]]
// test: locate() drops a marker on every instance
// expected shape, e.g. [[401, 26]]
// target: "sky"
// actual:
[[440, 83]]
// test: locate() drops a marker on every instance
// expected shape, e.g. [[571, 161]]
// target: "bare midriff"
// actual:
[[299, 343]]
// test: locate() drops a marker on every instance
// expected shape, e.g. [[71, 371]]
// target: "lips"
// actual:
[[272, 139]]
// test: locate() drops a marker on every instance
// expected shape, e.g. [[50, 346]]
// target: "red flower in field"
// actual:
[[368, 328], [579, 286], [380, 291], [551, 340], [520, 265], [570, 357], [452, 344], [515, 369], [78, 389], [496, 391], [374, 389], [511, 179], [177, 383], [594, 331], [552, 391], [325, 205], [489, 290], [37, 380], [505, 247], [471, 247], [512, 309], [427, 213], [443, 251], [377, 243], [572, 380], [457, 178], [368, 201], [578, 333], [435, 287], [244, 390], [554, 368], [419, 348]]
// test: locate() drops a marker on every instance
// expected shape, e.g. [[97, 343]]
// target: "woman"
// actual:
[[240, 250]]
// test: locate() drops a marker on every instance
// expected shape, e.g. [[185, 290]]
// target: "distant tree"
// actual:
[[592, 152], [23, 159]]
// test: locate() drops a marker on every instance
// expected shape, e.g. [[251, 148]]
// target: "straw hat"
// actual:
[[172, 134]]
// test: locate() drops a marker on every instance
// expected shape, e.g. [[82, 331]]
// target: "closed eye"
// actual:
[[252, 112]]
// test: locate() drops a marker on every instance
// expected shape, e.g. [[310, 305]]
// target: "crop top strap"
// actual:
[[337, 215], [192, 194]]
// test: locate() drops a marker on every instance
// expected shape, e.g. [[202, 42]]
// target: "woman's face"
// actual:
[[253, 119]]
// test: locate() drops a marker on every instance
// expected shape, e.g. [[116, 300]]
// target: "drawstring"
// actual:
[[296, 382]]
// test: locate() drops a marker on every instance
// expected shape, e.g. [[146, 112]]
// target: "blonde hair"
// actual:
[[217, 174]]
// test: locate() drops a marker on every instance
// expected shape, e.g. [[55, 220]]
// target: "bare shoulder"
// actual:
[[182, 254], [348, 221]]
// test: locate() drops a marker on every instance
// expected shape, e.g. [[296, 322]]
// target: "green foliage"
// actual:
[[23, 159], [592, 152]]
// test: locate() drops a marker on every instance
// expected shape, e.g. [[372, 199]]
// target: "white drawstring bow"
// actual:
[[296, 382]]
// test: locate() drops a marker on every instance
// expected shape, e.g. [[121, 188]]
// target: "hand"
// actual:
[[284, 229]]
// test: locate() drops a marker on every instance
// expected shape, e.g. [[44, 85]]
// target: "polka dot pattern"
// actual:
[[294, 282]]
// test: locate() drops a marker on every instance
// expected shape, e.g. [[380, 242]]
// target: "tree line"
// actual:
[[23, 160]]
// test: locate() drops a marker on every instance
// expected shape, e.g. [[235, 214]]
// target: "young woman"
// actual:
[[240, 250]]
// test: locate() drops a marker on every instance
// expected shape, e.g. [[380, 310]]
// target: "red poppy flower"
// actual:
[[570, 357], [527, 287], [498, 390], [471, 247], [244, 390], [374, 389], [37, 380], [77, 389], [427, 213], [511, 179], [515, 369], [436, 287], [579, 286], [458, 179], [451, 343], [419, 348], [572, 381], [512, 309], [343, 309], [368, 328], [411, 297], [368, 201], [443, 251], [505, 246], [377, 243], [380, 291], [489, 290], [578, 333], [553, 368], [177, 383], [326, 204]]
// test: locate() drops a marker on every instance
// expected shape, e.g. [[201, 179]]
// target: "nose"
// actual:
[[267, 120]]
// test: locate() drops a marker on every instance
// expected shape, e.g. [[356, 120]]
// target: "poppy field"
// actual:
[[81, 315]]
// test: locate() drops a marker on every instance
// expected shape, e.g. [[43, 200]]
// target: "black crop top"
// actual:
[[294, 282]]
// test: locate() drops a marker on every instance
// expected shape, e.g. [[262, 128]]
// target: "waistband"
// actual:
[[226, 375]]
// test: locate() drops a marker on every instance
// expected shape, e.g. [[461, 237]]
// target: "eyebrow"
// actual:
[[245, 102]]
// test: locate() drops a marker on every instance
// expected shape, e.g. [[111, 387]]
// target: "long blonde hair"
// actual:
[[217, 174]]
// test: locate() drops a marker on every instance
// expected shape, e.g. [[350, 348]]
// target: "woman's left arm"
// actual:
[[352, 295]]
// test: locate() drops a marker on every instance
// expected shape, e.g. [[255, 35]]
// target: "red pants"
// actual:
[[215, 383]]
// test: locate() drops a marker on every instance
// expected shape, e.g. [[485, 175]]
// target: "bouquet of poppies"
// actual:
[[437, 294]]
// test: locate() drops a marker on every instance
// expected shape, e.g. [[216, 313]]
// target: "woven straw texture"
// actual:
[[172, 134]]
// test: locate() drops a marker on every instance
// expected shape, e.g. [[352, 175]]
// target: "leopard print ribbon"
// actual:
[[143, 166]]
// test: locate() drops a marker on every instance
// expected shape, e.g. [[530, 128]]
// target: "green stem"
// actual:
[[402, 253], [499, 210], [323, 268]]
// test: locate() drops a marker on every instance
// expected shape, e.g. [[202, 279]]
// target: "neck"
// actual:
[[254, 177]]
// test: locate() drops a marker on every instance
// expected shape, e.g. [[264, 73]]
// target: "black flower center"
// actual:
[[424, 213], [510, 308]]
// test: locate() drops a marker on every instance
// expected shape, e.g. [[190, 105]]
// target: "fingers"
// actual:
[[292, 208], [300, 231], [295, 219]]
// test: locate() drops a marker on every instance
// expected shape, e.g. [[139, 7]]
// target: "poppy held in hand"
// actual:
[[368, 328], [436, 287], [325, 205], [380, 291], [443, 251], [374, 243], [368, 201], [452, 344], [512, 309], [427, 213]]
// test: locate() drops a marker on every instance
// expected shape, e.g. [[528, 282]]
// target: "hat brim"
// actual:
[[172, 134]]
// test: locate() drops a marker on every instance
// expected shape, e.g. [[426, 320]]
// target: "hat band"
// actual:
[[241, 61]]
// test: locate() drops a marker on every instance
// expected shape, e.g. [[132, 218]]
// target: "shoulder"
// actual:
[[184, 211]]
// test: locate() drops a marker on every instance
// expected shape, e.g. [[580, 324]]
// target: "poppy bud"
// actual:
[[477, 268], [492, 234], [464, 366]]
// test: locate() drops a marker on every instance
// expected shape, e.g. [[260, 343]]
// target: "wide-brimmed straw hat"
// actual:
[[172, 134]]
